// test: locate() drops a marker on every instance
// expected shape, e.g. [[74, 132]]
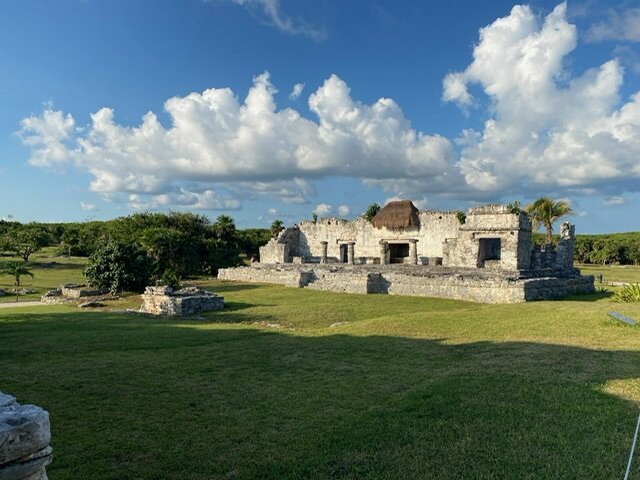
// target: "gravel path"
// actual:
[[20, 304]]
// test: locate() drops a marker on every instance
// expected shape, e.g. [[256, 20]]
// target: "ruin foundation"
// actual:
[[485, 286], [188, 301]]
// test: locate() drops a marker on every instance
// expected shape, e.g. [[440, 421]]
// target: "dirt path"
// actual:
[[20, 304]]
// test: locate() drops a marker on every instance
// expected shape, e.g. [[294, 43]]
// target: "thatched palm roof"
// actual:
[[397, 215]]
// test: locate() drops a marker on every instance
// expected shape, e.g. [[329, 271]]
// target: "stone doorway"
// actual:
[[488, 251], [398, 252], [344, 255]]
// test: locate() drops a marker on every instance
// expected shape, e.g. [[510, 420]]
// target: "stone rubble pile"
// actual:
[[25, 434]]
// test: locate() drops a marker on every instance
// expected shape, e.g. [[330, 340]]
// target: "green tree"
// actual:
[[251, 239], [545, 211], [222, 245], [119, 266], [26, 240], [69, 240], [372, 211], [276, 227], [16, 270], [167, 246], [224, 227]]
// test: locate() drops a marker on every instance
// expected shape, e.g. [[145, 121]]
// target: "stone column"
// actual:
[[350, 253], [413, 252], [383, 252], [323, 252]]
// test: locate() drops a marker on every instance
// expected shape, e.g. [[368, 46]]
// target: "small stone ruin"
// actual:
[[163, 300], [71, 293], [25, 434]]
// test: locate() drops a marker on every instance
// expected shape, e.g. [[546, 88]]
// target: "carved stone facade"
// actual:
[[492, 237], [488, 258]]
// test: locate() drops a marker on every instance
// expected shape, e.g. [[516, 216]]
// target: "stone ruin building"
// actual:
[[488, 258]]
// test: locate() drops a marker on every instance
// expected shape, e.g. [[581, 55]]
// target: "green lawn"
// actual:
[[266, 388], [613, 273], [49, 272]]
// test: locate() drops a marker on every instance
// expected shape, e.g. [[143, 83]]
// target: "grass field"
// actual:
[[268, 388], [49, 272]]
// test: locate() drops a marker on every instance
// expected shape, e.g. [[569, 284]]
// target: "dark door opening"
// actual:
[[343, 253], [398, 252], [489, 249]]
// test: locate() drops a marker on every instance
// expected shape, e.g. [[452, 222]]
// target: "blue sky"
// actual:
[[264, 109]]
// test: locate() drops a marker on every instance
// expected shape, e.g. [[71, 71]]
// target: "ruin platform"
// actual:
[[478, 285]]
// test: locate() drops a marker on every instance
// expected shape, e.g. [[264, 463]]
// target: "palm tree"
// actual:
[[16, 270], [224, 227], [276, 227], [545, 211]]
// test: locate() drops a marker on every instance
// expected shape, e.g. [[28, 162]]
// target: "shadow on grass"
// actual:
[[248, 403], [588, 297], [232, 287]]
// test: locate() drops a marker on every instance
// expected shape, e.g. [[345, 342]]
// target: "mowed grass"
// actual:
[[612, 273], [268, 388]]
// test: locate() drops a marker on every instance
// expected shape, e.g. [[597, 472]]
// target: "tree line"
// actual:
[[607, 249], [149, 246]]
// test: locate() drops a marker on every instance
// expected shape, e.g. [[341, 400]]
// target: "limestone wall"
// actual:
[[434, 228], [25, 435], [460, 284], [274, 252], [267, 274], [484, 225]]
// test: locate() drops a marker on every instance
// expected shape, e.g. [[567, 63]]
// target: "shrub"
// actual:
[[461, 216], [119, 266], [629, 293], [171, 279], [372, 211]]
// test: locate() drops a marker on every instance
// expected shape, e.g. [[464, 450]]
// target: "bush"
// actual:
[[119, 266], [171, 279], [629, 293]]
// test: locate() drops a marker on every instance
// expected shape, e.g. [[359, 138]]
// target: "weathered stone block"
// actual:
[[24, 429], [188, 301]]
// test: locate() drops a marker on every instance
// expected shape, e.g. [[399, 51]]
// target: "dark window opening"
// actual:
[[343, 253], [489, 249], [398, 252]]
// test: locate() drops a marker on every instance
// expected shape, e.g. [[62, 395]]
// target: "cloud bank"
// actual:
[[219, 149], [548, 130]]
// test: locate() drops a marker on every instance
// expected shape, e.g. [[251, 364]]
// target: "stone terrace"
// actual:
[[480, 285]]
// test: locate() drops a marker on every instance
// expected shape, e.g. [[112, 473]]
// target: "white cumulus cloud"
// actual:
[[219, 149], [89, 207], [344, 210], [323, 209], [296, 91], [547, 129]]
